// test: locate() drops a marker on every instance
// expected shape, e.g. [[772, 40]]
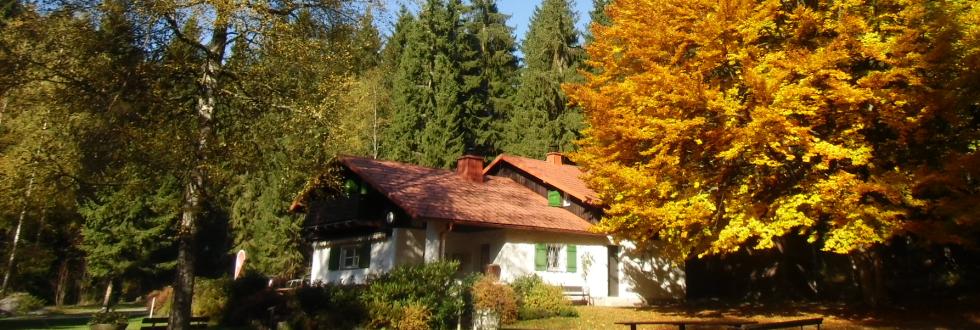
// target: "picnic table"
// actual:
[[155, 323], [682, 324], [732, 323]]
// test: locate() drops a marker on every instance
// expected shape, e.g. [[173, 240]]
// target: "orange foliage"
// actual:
[[716, 125]]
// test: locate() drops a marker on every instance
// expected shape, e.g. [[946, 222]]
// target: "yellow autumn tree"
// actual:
[[720, 125]]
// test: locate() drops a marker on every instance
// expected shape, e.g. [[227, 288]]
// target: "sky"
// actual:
[[520, 12]]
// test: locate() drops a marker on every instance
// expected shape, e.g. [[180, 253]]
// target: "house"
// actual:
[[518, 215]]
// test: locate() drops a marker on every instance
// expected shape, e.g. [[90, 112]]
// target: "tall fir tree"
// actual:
[[427, 90], [541, 120], [442, 139], [490, 79], [401, 55]]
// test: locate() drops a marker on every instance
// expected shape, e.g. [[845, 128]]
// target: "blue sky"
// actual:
[[519, 10]]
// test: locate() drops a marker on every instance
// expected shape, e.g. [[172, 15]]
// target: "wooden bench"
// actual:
[[160, 323], [576, 294], [682, 324], [817, 321]]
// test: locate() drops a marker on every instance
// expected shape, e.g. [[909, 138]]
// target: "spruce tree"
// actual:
[[401, 138], [541, 120], [442, 137], [490, 76], [427, 90]]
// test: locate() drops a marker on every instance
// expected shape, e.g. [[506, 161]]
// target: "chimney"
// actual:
[[555, 158], [470, 168]]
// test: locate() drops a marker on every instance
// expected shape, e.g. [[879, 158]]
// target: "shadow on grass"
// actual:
[[949, 314], [57, 322]]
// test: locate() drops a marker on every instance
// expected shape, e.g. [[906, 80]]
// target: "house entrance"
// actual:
[[613, 270]]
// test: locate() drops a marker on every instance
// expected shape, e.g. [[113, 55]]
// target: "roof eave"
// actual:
[[521, 227]]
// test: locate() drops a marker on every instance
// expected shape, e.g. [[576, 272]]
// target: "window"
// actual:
[[554, 258], [349, 257], [554, 198]]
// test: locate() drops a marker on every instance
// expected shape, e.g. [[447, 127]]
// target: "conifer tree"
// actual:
[[426, 127], [490, 77], [541, 120], [402, 54], [442, 140]]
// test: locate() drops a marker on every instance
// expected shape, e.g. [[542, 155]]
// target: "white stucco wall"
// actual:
[[650, 277], [641, 278], [516, 259], [386, 252]]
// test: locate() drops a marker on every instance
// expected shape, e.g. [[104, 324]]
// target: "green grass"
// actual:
[[71, 317], [59, 322]]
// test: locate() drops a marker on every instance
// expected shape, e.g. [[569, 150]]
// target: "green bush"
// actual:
[[488, 294], [523, 284], [536, 299], [430, 285], [210, 297], [327, 306], [25, 302], [107, 318]]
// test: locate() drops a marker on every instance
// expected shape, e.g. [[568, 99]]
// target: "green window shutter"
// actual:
[[333, 259], [364, 260], [540, 257], [554, 198], [572, 258]]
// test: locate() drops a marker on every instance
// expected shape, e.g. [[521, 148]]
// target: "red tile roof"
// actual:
[[429, 193], [567, 178]]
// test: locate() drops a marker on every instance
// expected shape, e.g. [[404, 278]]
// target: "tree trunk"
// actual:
[[374, 131], [61, 282], [20, 223], [23, 212], [40, 227], [3, 108], [108, 295], [180, 313], [870, 277]]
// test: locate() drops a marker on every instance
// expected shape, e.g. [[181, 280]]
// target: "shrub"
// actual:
[[107, 318], [414, 316], [327, 306], [162, 304], [536, 299], [523, 284], [488, 294], [21, 302], [250, 301], [210, 297], [430, 285]]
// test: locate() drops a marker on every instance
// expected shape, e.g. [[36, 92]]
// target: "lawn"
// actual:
[[948, 315], [59, 322], [71, 317]]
